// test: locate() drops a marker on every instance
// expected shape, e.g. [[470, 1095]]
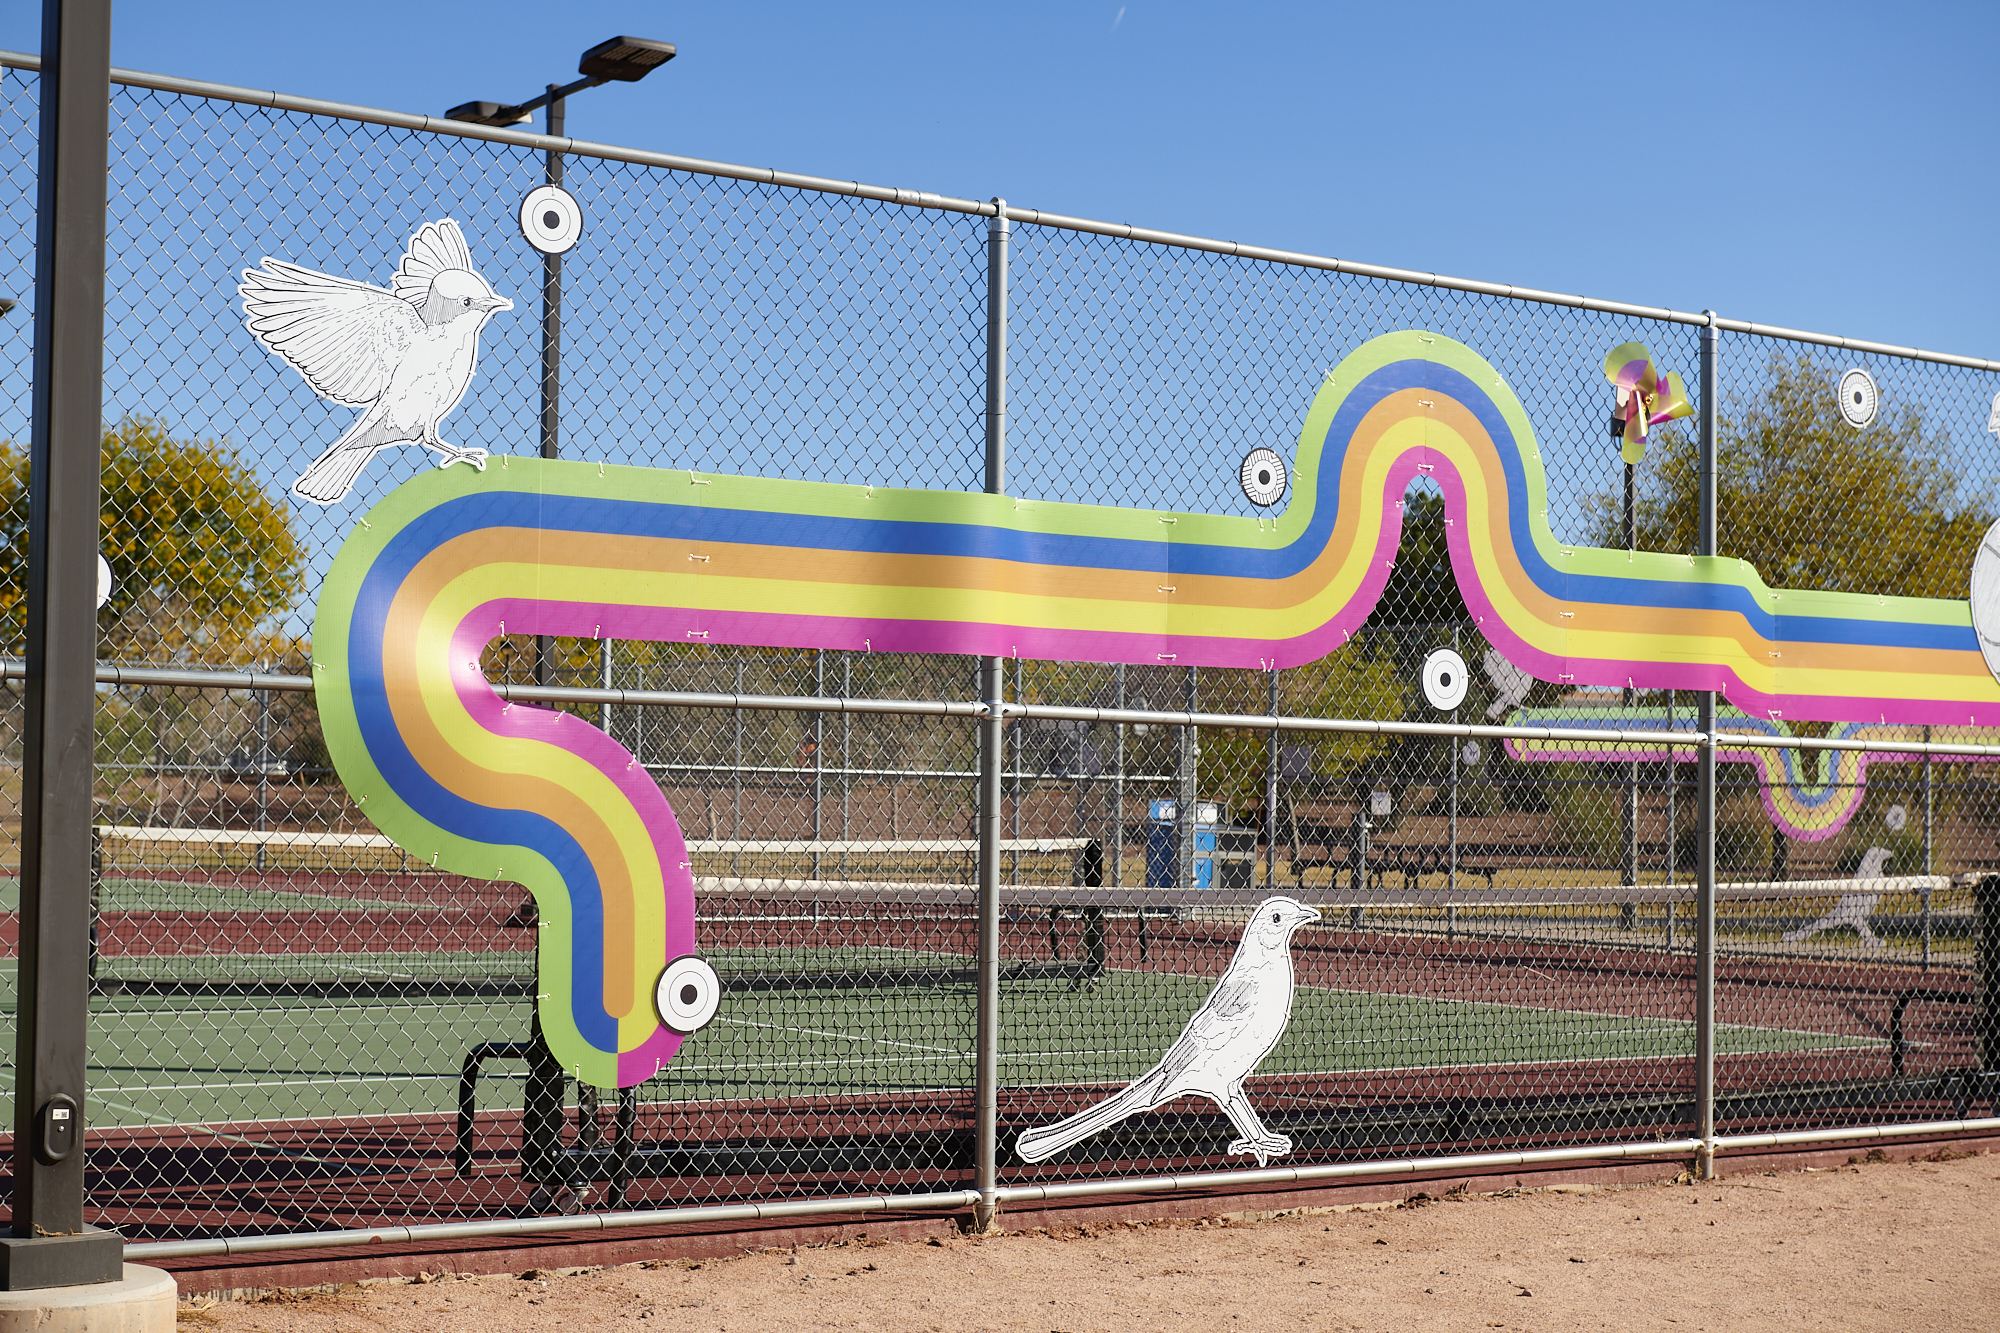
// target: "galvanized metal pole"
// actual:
[[543, 1092], [1628, 800], [50, 1246], [819, 767], [1704, 906], [1929, 858], [545, 661], [1187, 786], [992, 758], [1455, 745], [1014, 804], [1271, 797], [1118, 783]]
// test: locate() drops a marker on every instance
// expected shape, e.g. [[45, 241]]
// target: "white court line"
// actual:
[[843, 1036]]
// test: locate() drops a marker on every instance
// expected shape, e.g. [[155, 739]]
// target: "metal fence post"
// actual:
[[1118, 783], [552, 174], [50, 1246], [1187, 786], [992, 757], [1271, 796], [1704, 993]]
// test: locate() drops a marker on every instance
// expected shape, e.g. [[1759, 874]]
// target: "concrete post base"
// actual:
[[143, 1302]]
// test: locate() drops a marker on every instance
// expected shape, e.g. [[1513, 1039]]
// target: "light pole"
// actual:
[[620, 60]]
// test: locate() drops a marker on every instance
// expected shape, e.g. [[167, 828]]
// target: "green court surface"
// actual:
[[164, 1059], [117, 894]]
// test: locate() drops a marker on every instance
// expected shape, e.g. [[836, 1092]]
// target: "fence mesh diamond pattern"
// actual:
[[299, 1027]]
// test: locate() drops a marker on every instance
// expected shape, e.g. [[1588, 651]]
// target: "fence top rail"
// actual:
[[827, 893], [201, 837], [427, 124], [112, 674]]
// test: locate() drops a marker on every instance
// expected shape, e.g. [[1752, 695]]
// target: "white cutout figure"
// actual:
[[1510, 683], [1985, 600], [1853, 909], [405, 354], [1227, 1038]]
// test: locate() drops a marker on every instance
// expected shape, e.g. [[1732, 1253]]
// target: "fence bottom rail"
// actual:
[[968, 1199]]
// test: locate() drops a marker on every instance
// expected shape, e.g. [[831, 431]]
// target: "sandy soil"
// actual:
[[1881, 1245]]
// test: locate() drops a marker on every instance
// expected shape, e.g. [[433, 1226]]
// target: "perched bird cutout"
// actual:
[[1228, 1037], [1510, 684], [1853, 909], [404, 355]]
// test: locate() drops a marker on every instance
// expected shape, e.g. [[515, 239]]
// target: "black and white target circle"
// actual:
[[551, 219], [688, 994], [1263, 477], [1857, 397], [1445, 680]]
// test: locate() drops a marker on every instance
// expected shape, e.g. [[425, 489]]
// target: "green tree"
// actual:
[[1349, 683], [1422, 589], [1811, 501], [204, 562], [203, 559]]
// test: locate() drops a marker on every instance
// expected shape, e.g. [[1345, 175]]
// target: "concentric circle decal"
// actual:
[[1857, 397], [551, 219], [1445, 680], [1263, 477], [688, 994]]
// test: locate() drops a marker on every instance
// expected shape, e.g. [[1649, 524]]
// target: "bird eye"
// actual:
[[1274, 918], [467, 301]]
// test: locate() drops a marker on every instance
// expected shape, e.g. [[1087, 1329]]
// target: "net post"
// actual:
[[1704, 995], [992, 759], [1986, 966]]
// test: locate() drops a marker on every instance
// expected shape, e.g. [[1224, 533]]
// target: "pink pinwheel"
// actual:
[[1646, 398]]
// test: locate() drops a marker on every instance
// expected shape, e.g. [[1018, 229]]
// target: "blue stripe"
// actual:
[[445, 809]]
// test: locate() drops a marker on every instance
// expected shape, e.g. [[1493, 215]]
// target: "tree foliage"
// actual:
[[1352, 682], [203, 559], [1811, 501]]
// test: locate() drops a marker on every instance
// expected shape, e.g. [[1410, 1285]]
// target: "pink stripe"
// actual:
[[573, 734]]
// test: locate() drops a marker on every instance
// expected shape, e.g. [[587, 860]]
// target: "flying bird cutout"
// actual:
[[1227, 1038], [405, 355]]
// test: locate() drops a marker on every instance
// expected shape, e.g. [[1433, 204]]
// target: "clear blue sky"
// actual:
[[1825, 166]]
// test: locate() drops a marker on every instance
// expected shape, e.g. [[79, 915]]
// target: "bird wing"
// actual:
[[436, 247], [1220, 1021], [344, 336]]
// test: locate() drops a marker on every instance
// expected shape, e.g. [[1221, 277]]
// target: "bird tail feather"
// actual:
[[1045, 1141], [333, 473]]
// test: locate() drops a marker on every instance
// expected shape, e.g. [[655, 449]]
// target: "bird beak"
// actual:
[[1308, 914], [494, 303]]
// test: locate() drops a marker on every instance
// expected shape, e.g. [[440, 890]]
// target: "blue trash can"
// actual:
[[1163, 845]]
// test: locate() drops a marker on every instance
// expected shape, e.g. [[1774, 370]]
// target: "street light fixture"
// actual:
[[620, 60]]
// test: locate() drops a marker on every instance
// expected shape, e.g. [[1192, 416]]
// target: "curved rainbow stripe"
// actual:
[[1809, 794], [455, 557]]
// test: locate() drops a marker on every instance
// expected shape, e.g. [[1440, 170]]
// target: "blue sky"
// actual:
[[1825, 166]]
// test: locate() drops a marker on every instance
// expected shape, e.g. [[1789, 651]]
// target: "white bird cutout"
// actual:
[[1510, 683], [1853, 909], [1228, 1037], [405, 354]]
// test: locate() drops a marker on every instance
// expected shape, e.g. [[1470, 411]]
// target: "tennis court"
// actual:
[[339, 1032], [270, 1044], [318, 1056]]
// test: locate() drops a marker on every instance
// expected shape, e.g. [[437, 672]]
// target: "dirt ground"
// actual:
[[1878, 1245]]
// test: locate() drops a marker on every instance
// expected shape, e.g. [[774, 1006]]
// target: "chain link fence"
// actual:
[[297, 1028]]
